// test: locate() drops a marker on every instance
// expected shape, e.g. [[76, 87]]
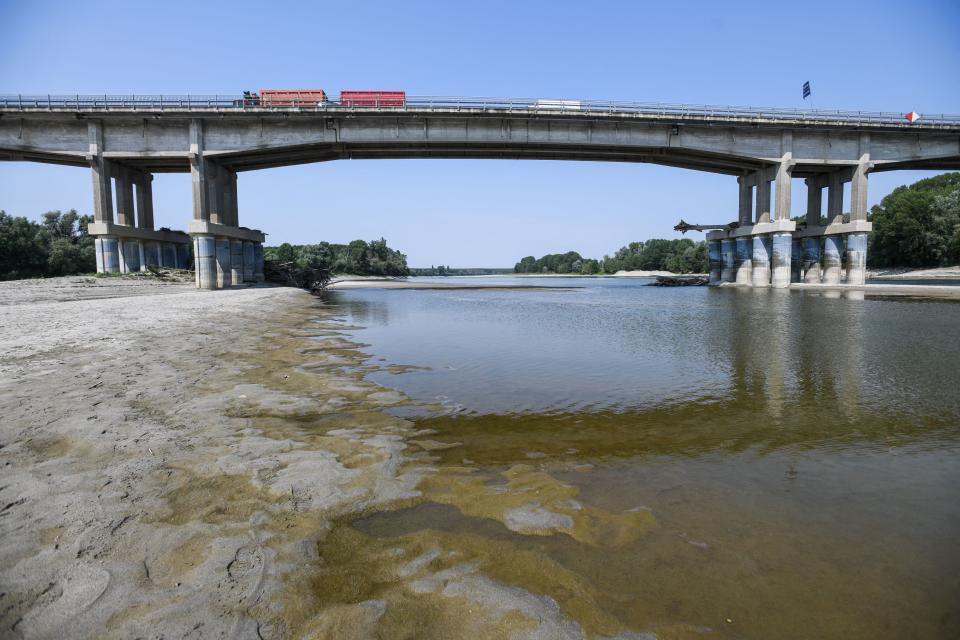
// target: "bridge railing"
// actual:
[[190, 102]]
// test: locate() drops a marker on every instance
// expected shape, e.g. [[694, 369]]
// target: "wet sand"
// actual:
[[181, 464]]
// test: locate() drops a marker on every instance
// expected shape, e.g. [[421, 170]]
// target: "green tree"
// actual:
[[916, 225]]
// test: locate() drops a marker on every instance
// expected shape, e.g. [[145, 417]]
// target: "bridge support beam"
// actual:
[[125, 240], [714, 256], [782, 248], [832, 258], [224, 270], [236, 261], [205, 250], [744, 261], [236, 253], [796, 261], [811, 260], [856, 258], [249, 258], [728, 260], [762, 246]]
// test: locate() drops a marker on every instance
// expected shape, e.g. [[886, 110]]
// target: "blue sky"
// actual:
[[890, 56]]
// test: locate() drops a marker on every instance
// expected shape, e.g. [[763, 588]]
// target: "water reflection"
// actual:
[[796, 454]]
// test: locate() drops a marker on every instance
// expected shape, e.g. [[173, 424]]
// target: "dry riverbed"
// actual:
[[177, 463]]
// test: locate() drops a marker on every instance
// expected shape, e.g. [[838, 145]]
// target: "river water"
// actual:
[[685, 461]]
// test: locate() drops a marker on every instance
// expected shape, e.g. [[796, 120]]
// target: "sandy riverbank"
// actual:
[[939, 273], [181, 464]]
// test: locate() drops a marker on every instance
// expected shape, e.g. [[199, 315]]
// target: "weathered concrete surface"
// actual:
[[236, 140]]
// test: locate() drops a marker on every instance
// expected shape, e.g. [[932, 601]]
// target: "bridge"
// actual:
[[124, 140]]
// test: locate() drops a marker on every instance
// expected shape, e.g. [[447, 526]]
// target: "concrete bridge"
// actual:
[[124, 140]]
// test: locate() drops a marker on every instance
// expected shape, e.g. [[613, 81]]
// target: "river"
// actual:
[[752, 463]]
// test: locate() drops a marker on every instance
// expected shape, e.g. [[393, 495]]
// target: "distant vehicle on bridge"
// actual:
[[560, 105], [318, 98], [292, 98], [373, 98]]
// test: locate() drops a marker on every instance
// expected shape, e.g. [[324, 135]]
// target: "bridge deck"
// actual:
[[235, 104]]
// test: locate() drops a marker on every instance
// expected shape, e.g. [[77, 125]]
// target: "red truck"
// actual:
[[373, 98], [292, 98]]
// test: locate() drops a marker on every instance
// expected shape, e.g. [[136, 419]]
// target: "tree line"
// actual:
[[374, 258], [917, 225], [678, 256], [58, 245]]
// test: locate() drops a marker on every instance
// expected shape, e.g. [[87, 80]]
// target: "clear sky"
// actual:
[[889, 56]]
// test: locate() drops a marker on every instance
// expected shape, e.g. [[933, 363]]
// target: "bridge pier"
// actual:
[[124, 238], [233, 250]]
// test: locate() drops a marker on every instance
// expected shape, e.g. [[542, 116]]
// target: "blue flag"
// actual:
[[806, 89]]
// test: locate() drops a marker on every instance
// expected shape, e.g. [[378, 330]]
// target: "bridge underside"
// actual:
[[762, 247]]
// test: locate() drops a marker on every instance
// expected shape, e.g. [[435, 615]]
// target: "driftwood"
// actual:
[[683, 281], [314, 280]]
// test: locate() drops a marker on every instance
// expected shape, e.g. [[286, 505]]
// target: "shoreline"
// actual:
[[180, 462], [152, 477]]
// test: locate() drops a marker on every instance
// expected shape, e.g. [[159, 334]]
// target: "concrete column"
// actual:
[[856, 258], [728, 260], [796, 260], [744, 261], [811, 260], [145, 201], [130, 258], [234, 200], [215, 196], [198, 172], [152, 253], [248, 261], [125, 215], [100, 171], [258, 262], [746, 200], [98, 252], [834, 198], [814, 201], [224, 273], [236, 261], [713, 252], [168, 256], [763, 199], [832, 255], [784, 177], [858, 183], [206, 262], [108, 255], [195, 241], [183, 255], [762, 245], [782, 250], [143, 257]]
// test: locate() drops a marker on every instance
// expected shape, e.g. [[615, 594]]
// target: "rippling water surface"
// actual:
[[799, 455]]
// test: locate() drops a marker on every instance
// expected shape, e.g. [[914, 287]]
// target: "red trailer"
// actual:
[[292, 97], [373, 98]]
